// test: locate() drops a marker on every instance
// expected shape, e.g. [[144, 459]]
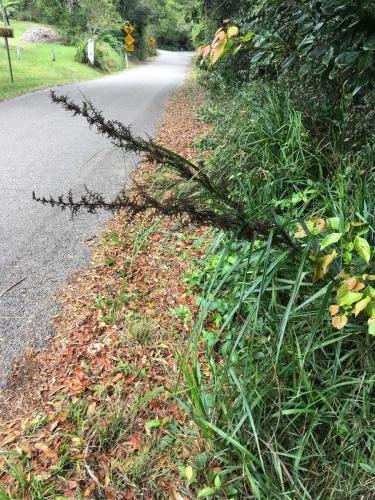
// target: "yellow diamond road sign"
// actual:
[[128, 28], [129, 40]]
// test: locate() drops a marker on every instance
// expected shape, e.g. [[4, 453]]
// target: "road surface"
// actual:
[[43, 148]]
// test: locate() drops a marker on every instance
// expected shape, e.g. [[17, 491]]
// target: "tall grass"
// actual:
[[285, 403], [261, 149]]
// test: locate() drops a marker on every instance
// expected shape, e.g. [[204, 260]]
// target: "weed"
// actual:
[[140, 328], [182, 312], [110, 261], [112, 306]]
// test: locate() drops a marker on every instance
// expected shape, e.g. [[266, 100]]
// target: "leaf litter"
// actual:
[[91, 415]]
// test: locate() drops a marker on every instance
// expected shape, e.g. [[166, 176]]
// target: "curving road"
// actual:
[[43, 148]]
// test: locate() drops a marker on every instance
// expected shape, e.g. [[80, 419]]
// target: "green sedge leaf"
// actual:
[[369, 43], [217, 482]]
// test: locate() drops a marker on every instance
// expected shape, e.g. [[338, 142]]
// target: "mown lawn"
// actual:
[[35, 69]]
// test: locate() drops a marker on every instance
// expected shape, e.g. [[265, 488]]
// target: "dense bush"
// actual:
[[106, 58], [323, 52], [115, 39]]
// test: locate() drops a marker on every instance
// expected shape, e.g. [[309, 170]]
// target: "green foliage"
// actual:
[[163, 19], [322, 51], [353, 256], [277, 388], [115, 39], [263, 153], [35, 69], [278, 401], [171, 29], [106, 58]]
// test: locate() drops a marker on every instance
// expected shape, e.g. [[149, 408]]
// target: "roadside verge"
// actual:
[[93, 413]]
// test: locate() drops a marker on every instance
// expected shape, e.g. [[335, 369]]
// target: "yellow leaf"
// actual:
[[300, 233], [361, 305], [323, 264], [316, 225], [206, 51], [354, 284], [368, 277], [189, 472], [218, 50], [320, 224], [232, 31], [339, 322], [360, 286], [219, 35], [333, 309]]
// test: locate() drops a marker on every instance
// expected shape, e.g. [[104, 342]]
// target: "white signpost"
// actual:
[[91, 51]]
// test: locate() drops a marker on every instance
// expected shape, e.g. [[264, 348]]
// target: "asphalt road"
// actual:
[[43, 148]]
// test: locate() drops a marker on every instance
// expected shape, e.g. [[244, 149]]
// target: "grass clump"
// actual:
[[282, 399]]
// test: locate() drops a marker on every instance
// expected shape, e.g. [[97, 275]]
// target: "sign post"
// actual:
[[6, 33], [91, 51], [152, 43], [129, 41]]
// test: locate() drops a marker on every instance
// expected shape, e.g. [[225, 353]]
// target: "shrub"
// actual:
[[115, 39], [106, 58], [281, 397], [322, 51]]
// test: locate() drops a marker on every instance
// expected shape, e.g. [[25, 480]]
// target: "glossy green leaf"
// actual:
[[330, 239], [347, 58], [362, 247], [346, 298], [334, 223], [361, 305]]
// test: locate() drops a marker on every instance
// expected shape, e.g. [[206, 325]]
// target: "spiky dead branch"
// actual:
[[194, 194]]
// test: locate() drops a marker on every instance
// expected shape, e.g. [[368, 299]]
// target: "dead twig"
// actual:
[[11, 287]]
